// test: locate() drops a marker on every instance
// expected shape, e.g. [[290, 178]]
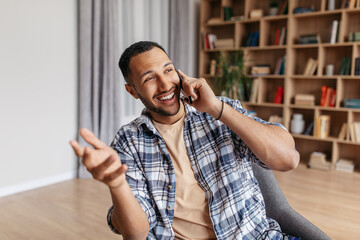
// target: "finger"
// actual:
[[90, 138], [87, 159], [118, 172], [78, 149], [99, 171]]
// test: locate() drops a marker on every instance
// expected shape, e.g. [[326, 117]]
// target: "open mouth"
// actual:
[[168, 97]]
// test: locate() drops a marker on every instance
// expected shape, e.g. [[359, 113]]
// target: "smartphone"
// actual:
[[181, 87]]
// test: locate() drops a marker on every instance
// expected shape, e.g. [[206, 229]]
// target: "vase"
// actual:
[[273, 11], [297, 123]]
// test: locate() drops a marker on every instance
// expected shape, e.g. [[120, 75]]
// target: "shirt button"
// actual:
[[168, 208], [170, 187]]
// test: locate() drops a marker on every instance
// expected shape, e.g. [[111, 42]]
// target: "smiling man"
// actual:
[[184, 170]]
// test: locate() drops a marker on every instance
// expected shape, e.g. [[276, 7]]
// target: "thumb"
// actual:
[[90, 138]]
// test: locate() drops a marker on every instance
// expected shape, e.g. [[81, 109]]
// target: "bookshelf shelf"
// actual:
[[319, 22]]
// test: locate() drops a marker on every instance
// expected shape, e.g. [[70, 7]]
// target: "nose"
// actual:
[[164, 82]]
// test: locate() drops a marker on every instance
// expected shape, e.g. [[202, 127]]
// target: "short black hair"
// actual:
[[132, 51]]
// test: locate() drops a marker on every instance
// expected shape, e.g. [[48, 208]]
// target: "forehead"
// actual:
[[148, 61]]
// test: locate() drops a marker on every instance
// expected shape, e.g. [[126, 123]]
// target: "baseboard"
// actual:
[[36, 183]]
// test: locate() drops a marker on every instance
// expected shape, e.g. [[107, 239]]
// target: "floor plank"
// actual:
[[76, 209]]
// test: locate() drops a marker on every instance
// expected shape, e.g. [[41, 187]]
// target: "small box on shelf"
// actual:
[[345, 165]]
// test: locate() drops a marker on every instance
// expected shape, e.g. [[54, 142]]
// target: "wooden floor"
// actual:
[[76, 209]]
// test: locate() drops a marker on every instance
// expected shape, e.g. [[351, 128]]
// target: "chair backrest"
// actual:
[[278, 208]]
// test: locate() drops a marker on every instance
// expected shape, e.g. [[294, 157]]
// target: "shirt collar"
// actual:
[[144, 121]]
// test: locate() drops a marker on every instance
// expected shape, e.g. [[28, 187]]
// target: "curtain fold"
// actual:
[[99, 99], [184, 35]]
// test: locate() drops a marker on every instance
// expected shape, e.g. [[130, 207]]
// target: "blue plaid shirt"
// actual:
[[221, 162]]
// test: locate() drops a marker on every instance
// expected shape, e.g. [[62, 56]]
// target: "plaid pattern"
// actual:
[[221, 162]]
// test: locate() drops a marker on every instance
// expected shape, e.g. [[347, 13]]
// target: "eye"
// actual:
[[148, 78], [168, 70]]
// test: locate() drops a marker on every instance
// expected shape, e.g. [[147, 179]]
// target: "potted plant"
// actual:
[[273, 8], [231, 76]]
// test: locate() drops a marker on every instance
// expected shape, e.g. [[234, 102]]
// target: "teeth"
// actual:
[[167, 97]]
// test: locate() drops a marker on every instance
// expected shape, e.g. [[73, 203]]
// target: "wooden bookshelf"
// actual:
[[319, 22]]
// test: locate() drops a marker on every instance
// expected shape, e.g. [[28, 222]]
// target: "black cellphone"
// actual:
[[181, 87]]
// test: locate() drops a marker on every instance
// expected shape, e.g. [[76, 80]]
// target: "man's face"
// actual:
[[155, 82]]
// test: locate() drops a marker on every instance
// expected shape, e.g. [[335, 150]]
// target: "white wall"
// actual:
[[38, 92]]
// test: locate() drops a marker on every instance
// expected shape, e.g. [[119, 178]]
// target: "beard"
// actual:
[[160, 110]]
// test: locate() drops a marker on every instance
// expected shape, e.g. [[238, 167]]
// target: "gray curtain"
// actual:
[[184, 35], [99, 104]]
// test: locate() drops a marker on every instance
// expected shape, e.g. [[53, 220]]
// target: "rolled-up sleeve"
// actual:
[[136, 180]]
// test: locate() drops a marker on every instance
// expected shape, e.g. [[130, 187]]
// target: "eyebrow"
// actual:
[[150, 71]]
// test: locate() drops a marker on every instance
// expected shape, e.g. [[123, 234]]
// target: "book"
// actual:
[[284, 8], [279, 68], [318, 161], [224, 43], [357, 64], [322, 126], [309, 129], [309, 39], [334, 29], [308, 66], [279, 95], [328, 97], [282, 39], [277, 36], [255, 39], [333, 99], [342, 133], [254, 90], [323, 95], [256, 13], [249, 39], [313, 68], [260, 70], [345, 165], [305, 99], [351, 103]]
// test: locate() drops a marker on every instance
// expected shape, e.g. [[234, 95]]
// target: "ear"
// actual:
[[131, 90]]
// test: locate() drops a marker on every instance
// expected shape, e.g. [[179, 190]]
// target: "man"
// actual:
[[183, 168]]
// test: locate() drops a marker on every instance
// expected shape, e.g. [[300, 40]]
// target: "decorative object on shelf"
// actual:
[[233, 79], [318, 161], [228, 13], [304, 99], [322, 126], [273, 8], [329, 69], [345, 165], [237, 18], [331, 5], [279, 95], [297, 123]]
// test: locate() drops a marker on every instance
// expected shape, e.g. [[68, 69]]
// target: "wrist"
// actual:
[[217, 109]]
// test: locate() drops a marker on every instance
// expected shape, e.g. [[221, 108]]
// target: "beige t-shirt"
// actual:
[[191, 216]]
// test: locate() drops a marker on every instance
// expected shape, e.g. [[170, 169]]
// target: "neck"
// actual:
[[169, 119]]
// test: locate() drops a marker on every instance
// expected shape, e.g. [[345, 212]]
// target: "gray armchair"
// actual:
[[278, 208]]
